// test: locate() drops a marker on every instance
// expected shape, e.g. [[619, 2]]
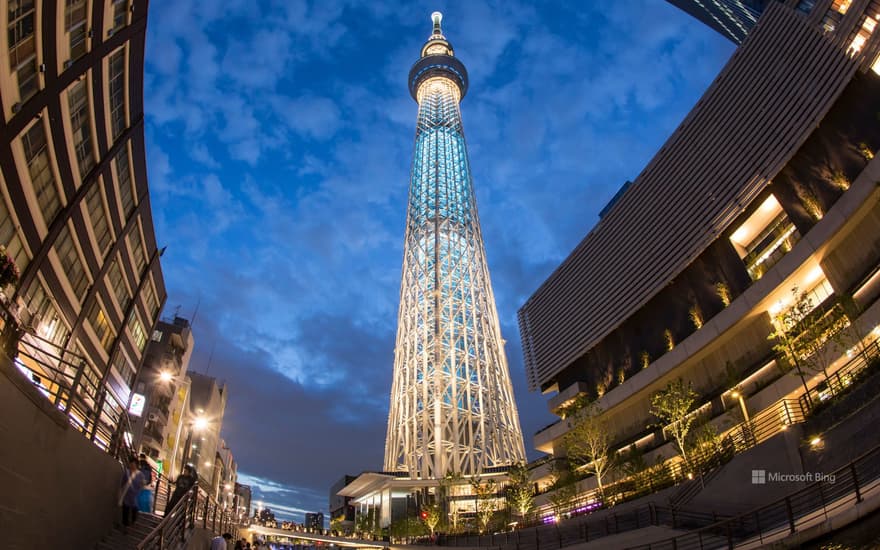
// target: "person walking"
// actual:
[[145, 497], [219, 543], [131, 484], [182, 484]]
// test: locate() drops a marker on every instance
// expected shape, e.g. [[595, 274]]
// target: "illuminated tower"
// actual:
[[452, 407]]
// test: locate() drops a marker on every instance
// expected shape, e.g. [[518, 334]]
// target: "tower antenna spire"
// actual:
[[436, 18]]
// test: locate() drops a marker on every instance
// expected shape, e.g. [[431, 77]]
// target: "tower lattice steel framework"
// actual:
[[452, 406]]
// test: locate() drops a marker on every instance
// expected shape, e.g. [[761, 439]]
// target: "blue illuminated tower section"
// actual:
[[452, 406]]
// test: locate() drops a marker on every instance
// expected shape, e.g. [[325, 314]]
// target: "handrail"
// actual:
[[174, 525], [60, 375], [781, 517]]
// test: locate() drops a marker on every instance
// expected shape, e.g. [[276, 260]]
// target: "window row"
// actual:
[[73, 39]]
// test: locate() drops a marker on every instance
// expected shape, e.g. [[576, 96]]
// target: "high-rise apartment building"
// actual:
[[157, 424], [74, 205], [452, 403]]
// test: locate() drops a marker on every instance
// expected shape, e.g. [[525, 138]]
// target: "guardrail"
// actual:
[[60, 375], [802, 509], [196, 509]]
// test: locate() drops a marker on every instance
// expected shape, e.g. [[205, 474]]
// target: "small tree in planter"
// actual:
[[673, 405], [520, 490], [588, 443]]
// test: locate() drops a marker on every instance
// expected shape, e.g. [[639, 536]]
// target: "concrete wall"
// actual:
[[57, 489], [731, 491]]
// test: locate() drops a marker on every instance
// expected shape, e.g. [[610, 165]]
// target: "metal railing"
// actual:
[[799, 510], [195, 509], [62, 377], [843, 378], [802, 509]]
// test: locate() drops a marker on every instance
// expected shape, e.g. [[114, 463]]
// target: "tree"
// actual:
[[563, 487], [431, 515], [484, 494], [803, 332], [520, 490], [588, 443], [633, 465], [445, 488], [672, 405], [369, 522]]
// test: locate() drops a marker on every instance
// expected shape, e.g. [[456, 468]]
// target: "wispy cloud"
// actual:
[[279, 145]]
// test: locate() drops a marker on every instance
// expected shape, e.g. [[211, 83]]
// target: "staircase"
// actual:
[[117, 540]]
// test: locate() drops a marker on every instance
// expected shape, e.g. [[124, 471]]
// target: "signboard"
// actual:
[[137, 404]]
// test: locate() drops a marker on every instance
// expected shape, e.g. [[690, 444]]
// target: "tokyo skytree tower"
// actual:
[[452, 407]]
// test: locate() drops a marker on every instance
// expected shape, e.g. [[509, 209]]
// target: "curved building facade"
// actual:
[[74, 205], [769, 184]]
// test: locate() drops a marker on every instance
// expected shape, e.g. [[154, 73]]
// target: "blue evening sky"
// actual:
[[279, 142]]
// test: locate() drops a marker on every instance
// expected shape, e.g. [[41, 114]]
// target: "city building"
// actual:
[[227, 476], [155, 421], [452, 405], [768, 185], [207, 405], [735, 18], [340, 507], [242, 503], [732, 18], [75, 208], [314, 521]]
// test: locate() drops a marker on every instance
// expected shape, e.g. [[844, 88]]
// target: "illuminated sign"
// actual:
[[137, 404]]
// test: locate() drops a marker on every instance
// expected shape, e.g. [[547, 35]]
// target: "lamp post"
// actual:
[[742, 404]]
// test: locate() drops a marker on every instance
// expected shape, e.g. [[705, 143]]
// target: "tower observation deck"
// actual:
[[452, 404]]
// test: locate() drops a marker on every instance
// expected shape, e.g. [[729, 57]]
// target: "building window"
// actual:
[[80, 124], [150, 300], [136, 246], [98, 215], [44, 315], [124, 368], [75, 26], [10, 238], [117, 282], [806, 6], [117, 93], [126, 192], [98, 319], [861, 34], [23, 46], [120, 14], [36, 153], [764, 238], [840, 6], [70, 262], [137, 330]]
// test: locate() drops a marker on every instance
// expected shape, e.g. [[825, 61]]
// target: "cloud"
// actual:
[[279, 143]]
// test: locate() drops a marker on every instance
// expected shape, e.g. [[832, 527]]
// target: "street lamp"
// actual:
[[742, 403]]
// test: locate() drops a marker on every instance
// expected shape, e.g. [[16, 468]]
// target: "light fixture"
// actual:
[[815, 441], [166, 376], [200, 423]]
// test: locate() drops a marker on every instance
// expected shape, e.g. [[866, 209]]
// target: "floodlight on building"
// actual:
[[165, 376], [200, 423]]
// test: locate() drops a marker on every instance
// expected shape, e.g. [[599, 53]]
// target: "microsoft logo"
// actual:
[[759, 477]]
